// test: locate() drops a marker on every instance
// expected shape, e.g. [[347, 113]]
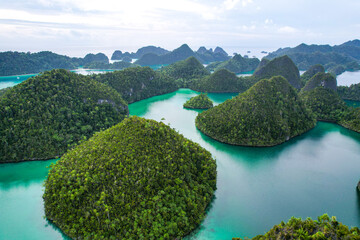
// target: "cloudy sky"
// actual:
[[75, 27]]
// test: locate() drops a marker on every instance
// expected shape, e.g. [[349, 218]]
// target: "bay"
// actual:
[[257, 188]]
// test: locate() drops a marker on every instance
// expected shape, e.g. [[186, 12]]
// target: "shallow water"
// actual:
[[257, 188]]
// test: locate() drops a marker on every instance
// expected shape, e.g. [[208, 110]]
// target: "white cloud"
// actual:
[[287, 29], [230, 4], [268, 21], [244, 3]]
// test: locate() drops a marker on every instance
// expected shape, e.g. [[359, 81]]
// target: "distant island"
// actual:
[[336, 59], [236, 64]]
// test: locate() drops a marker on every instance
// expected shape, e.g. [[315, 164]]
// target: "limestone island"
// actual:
[[201, 101], [139, 179], [267, 114]]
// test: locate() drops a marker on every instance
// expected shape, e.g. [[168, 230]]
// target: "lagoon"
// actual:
[[257, 188]]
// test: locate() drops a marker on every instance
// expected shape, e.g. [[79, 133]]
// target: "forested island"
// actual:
[[336, 59], [137, 180], [201, 101], [236, 64], [322, 228], [137, 83], [45, 115], [267, 114]]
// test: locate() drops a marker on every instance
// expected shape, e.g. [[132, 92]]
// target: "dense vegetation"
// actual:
[[322, 79], [336, 59], [116, 65], [349, 93], [138, 83], [324, 103], [181, 53], [186, 70], [267, 114], [137, 180], [16, 63], [201, 101], [351, 119], [281, 66], [44, 115], [322, 228], [221, 81], [236, 64], [311, 72], [3, 90]]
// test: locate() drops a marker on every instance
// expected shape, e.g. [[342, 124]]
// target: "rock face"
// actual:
[[267, 114], [358, 186], [281, 66], [325, 80], [311, 72], [44, 115], [137, 180]]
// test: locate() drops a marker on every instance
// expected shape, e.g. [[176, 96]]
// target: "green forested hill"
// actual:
[[221, 81], [349, 93], [280, 66], [201, 101], [351, 119], [102, 65], [267, 114], [16, 63], [236, 64], [137, 180], [186, 70], [138, 83], [324, 103], [41, 117], [322, 228]]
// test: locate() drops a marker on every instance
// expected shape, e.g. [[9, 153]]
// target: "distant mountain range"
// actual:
[[336, 59], [183, 52]]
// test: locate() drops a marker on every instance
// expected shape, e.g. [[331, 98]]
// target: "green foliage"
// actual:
[[237, 64], [349, 93], [16, 63], [138, 83], [3, 91], [322, 229], [311, 72], [44, 115], [221, 81], [102, 65], [324, 103], [269, 113], [137, 180], [281, 66], [351, 119], [186, 70], [201, 101], [321, 79]]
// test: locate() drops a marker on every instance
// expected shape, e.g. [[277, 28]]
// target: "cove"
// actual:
[[257, 188]]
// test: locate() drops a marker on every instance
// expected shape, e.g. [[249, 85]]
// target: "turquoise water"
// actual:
[[257, 188], [352, 103], [10, 81]]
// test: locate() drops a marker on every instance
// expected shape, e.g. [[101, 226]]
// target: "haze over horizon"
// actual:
[[77, 27]]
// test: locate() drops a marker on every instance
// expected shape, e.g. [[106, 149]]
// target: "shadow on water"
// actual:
[[201, 227], [23, 174], [55, 228]]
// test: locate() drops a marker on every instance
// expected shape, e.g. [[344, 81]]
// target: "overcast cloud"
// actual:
[[75, 27]]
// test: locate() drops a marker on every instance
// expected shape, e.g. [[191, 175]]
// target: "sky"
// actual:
[[77, 27]]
